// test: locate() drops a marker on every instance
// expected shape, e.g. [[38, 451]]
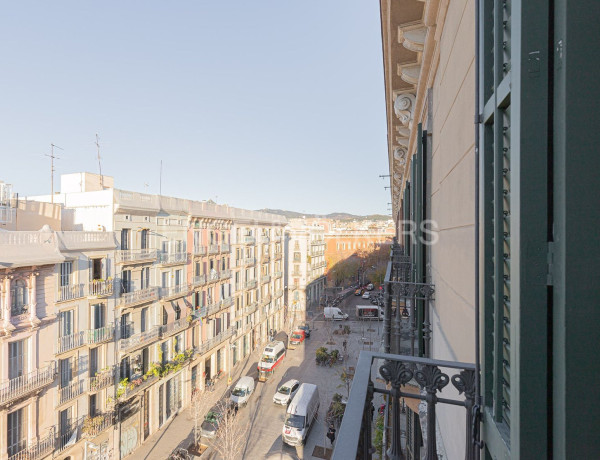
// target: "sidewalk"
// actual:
[[179, 430]]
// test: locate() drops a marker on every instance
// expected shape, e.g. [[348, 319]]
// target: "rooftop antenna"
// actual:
[[99, 164], [384, 175], [52, 157]]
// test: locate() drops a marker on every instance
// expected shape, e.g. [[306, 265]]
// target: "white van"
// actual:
[[369, 312], [334, 313], [301, 415], [242, 391]]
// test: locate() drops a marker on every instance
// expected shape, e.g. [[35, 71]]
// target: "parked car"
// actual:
[[366, 295], [297, 338], [370, 286], [306, 330], [286, 392], [358, 292], [334, 313], [210, 425], [242, 391]]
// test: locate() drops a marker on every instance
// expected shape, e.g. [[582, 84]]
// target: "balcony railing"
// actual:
[[265, 300], [174, 291], [213, 249], [138, 384], [278, 274], [199, 312], [225, 248], [276, 238], [225, 274], [250, 284], [355, 434], [100, 288], [27, 383], [99, 335], [102, 380], [135, 255], [213, 275], [216, 340], [199, 280], [264, 239], [138, 340], [227, 302], [174, 327], [214, 307], [69, 436], [71, 391], [39, 450], [248, 239], [70, 292], [278, 256], [148, 294], [171, 258], [265, 279], [199, 250], [249, 261], [69, 342], [266, 258], [101, 423], [250, 308], [278, 293]]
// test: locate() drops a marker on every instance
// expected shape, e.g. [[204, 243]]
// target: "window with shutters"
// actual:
[[19, 294], [15, 431], [17, 358]]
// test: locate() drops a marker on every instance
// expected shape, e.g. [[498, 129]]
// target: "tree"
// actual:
[[199, 407], [231, 436]]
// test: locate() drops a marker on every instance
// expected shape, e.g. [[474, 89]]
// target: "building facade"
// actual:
[[305, 272]]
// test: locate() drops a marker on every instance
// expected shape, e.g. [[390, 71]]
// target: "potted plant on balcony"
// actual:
[[91, 426]]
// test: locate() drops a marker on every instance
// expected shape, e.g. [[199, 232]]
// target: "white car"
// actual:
[[366, 295], [286, 392]]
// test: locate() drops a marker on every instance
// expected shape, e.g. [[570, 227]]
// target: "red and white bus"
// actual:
[[271, 358]]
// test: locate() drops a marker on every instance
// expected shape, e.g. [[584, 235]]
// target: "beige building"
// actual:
[[305, 271]]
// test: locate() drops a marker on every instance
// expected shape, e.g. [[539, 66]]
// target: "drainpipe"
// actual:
[[476, 434]]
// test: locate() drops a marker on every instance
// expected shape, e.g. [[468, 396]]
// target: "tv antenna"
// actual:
[[99, 164], [52, 158]]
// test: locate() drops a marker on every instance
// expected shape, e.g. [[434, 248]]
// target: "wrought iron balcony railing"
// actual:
[[93, 426], [70, 292], [265, 300], [199, 280], [27, 383], [72, 390], [148, 294], [102, 380], [278, 274], [265, 279], [174, 327], [249, 261], [138, 340], [265, 240], [278, 293], [276, 238], [199, 250], [100, 288], [213, 249], [69, 435], [227, 302], [225, 248], [225, 274], [250, 308], [70, 342], [278, 256], [174, 291], [428, 377], [172, 258], [248, 239], [132, 256], [250, 284], [213, 276], [38, 450]]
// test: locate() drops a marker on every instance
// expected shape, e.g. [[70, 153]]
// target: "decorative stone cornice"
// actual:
[[413, 36], [404, 105], [410, 72]]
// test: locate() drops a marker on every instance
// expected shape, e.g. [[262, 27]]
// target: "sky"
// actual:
[[256, 104]]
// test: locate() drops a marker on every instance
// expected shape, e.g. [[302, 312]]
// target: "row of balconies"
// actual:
[[95, 288], [27, 383], [265, 279], [38, 450], [87, 337]]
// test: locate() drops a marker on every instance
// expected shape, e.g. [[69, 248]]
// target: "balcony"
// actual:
[[250, 284], [214, 308], [42, 449], [138, 340], [199, 280], [213, 249], [216, 340], [199, 312], [199, 250], [239, 262], [250, 308], [28, 383], [174, 327], [265, 240], [102, 380], [72, 390], [135, 386], [266, 258], [93, 426], [278, 256], [225, 248], [100, 288], [138, 297], [276, 238], [70, 436], [70, 292], [172, 258], [213, 276], [265, 279], [135, 256], [278, 274], [249, 261], [400, 374], [225, 274], [174, 291], [265, 300], [227, 302], [249, 239], [278, 294], [317, 242]]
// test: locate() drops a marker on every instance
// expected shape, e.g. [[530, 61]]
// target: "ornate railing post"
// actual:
[[387, 318], [366, 433], [464, 382], [432, 380], [396, 374]]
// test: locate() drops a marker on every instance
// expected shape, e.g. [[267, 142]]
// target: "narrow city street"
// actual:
[[265, 419]]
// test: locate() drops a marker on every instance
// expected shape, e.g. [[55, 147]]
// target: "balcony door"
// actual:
[[144, 239], [93, 362], [65, 323], [65, 367], [125, 237], [16, 439], [17, 359], [99, 316], [66, 273], [125, 281]]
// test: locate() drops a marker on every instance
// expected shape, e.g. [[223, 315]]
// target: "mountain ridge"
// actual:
[[332, 215]]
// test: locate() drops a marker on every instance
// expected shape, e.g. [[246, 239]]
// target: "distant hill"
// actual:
[[333, 215]]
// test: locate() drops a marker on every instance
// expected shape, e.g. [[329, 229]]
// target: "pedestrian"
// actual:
[[345, 344], [331, 434]]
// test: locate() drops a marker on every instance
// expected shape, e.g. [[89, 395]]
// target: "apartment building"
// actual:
[[177, 325], [305, 273]]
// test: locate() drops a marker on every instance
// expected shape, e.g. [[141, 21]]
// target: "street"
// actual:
[[265, 419]]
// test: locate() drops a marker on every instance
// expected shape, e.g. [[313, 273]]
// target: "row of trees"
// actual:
[[345, 271]]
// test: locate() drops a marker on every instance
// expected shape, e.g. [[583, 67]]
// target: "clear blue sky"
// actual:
[[257, 104]]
